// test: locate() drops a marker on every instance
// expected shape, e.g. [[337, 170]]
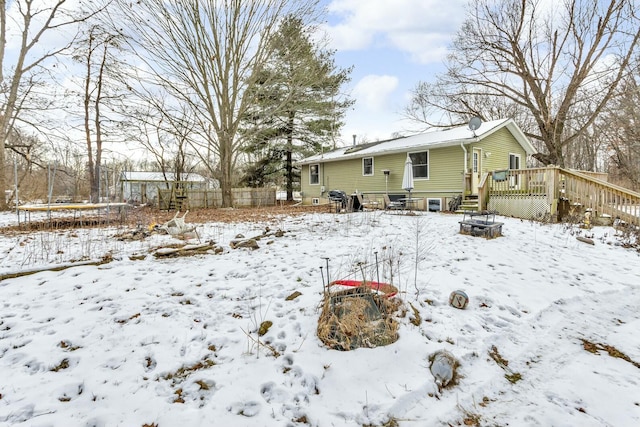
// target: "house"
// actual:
[[142, 187], [446, 163]]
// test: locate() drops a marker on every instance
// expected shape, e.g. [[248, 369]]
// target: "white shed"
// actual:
[[142, 187]]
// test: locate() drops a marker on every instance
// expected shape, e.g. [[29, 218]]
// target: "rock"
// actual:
[[443, 367], [264, 327]]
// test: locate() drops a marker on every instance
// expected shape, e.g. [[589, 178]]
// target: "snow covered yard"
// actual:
[[549, 336]]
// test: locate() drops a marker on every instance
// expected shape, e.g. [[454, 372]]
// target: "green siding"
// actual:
[[445, 170], [445, 174], [499, 144]]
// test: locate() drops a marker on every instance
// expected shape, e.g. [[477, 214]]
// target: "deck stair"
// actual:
[[469, 203]]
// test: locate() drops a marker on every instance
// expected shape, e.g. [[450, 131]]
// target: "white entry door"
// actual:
[[476, 167]]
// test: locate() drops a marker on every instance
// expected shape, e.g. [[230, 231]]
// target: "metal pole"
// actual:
[[99, 181], [106, 181], [50, 188], [328, 283], [377, 270], [15, 173]]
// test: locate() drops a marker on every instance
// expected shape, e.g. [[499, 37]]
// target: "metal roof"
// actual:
[[431, 139]]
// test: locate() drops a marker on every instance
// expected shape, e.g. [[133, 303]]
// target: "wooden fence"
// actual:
[[195, 199], [552, 192]]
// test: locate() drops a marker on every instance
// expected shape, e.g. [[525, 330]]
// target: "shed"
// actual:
[[142, 187]]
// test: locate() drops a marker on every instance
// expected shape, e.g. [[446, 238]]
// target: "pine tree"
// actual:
[[298, 107]]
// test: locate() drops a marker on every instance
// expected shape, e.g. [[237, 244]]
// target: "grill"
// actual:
[[339, 198]]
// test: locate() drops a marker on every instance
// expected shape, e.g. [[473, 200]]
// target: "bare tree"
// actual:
[[97, 53], [542, 58], [28, 22], [165, 132], [619, 126], [205, 54]]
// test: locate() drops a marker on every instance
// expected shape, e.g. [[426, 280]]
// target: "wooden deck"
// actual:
[[553, 193]]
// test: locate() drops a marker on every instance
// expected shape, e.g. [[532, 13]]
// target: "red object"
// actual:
[[385, 288]]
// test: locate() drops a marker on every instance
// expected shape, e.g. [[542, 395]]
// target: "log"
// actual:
[[58, 267], [586, 240], [183, 250]]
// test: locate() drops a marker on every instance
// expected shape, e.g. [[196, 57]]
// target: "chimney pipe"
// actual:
[[354, 139]]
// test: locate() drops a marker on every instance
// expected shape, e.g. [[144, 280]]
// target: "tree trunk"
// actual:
[[226, 170], [3, 169]]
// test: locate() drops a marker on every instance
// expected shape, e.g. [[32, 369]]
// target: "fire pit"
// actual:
[[481, 224]]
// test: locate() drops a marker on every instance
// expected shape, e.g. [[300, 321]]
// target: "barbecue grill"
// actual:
[[339, 198]]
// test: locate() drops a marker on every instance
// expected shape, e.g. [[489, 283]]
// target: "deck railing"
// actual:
[[600, 197], [546, 192]]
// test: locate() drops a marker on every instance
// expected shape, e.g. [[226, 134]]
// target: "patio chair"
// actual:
[[388, 204], [367, 203]]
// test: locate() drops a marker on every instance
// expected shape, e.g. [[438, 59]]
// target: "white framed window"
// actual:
[[476, 161], [434, 205], [420, 162], [514, 161], [367, 166], [314, 174]]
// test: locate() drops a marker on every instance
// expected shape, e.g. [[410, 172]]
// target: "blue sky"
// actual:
[[392, 45]]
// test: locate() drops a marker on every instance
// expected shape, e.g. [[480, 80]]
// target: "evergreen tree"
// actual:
[[298, 108]]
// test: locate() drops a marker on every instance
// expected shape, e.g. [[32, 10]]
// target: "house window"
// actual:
[[420, 164], [314, 174], [476, 160], [367, 166], [434, 205], [514, 161]]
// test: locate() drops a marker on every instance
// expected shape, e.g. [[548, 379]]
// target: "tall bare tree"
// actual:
[[205, 54], [619, 126], [547, 59], [164, 130], [98, 54], [29, 24]]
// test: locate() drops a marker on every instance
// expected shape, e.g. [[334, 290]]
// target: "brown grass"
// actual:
[[596, 348], [347, 322], [146, 216]]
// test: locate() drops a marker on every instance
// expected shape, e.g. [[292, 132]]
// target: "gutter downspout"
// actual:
[[465, 157], [464, 171], [475, 139]]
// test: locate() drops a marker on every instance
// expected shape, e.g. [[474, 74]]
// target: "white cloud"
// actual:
[[346, 37], [372, 92], [422, 28]]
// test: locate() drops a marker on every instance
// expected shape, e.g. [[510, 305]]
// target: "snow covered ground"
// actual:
[[167, 342]]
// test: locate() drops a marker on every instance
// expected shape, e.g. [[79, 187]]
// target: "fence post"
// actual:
[[552, 178]]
